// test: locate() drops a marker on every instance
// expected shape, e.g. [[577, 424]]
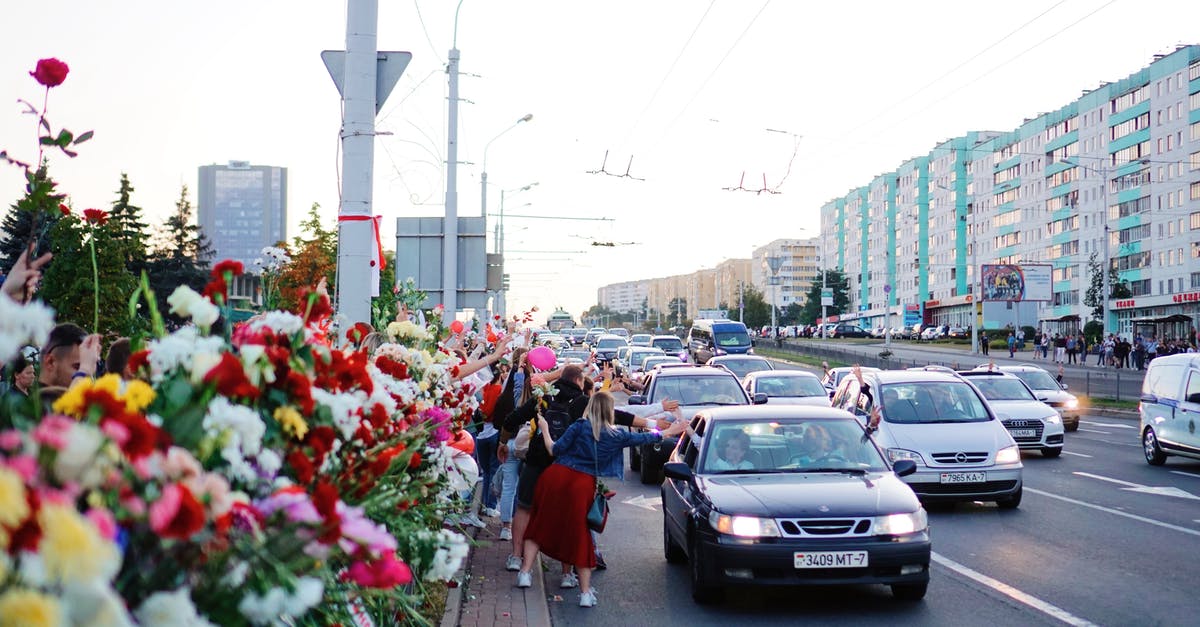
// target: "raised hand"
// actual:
[[22, 280]]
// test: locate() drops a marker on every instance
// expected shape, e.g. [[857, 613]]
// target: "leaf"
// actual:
[[47, 140], [64, 138], [84, 136], [70, 153]]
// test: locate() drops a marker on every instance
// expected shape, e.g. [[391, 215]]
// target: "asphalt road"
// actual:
[[1100, 538]]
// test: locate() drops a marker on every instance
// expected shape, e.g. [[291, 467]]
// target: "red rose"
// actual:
[[177, 513], [314, 305], [63, 209], [230, 378], [138, 361], [96, 216], [50, 72], [228, 265], [303, 468], [216, 290]]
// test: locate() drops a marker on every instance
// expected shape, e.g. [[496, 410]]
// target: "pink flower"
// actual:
[[115, 431], [356, 527], [538, 379], [10, 440], [24, 465], [179, 464], [52, 431], [134, 504], [439, 310], [104, 521], [385, 572], [50, 72], [297, 507], [213, 490]]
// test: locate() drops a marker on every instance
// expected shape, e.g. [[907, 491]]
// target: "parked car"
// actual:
[[938, 420], [741, 365], [1169, 408], [787, 387], [1047, 389], [791, 511], [696, 388], [1033, 424], [849, 330]]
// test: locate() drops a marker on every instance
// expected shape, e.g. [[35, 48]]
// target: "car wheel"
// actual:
[[703, 592], [1012, 502], [1052, 451], [909, 591], [1154, 453], [651, 468], [1074, 426], [671, 550], [635, 459]]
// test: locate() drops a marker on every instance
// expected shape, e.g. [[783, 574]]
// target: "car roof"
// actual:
[[607, 336], [987, 373], [915, 376], [766, 412], [1183, 359], [721, 358], [707, 371], [665, 337], [780, 373]]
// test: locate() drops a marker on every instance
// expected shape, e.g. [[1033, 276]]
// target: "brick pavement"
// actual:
[[488, 595]]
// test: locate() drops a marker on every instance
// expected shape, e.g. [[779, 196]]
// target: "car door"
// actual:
[[1189, 412], [678, 495]]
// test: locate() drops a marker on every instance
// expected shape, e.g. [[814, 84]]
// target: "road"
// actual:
[[1100, 538]]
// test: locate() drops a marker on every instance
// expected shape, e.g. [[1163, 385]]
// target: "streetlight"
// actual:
[[503, 294], [483, 176], [773, 262]]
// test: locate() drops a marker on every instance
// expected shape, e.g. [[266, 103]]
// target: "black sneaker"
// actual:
[[600, 563]]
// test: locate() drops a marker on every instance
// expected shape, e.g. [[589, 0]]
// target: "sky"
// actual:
[[689, 97]]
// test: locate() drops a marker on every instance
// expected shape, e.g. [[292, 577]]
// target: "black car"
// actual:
[[696, 388], [788, 495], [849, 330]]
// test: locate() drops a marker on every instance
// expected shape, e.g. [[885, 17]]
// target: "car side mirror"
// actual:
[[681, 471], [1064, 385], [759, 398], [637, 399], [904, 467]]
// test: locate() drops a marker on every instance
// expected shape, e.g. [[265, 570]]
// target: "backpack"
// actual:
[[558, 417]]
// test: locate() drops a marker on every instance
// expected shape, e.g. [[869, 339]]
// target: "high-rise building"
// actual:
[[799, 269], [242, 209], [1111, 180], [623, 297]]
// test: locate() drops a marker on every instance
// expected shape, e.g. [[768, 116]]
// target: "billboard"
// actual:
[[1017, 282]]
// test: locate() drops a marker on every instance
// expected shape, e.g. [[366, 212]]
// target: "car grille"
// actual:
[[986, 487], [957, 457], [824, 527], [1036, 425]]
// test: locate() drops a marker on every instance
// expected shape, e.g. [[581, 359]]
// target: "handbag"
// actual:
[[597, 516]]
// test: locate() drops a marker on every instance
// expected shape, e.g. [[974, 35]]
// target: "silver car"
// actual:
[[1033, 424], [787, 387]]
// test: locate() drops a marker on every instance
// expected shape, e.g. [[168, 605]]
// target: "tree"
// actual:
[[68, 284], [834, 280], [757, 312], [313, 258], [181, 256], [676, 310], [1116, 287], [39, 204], [791, 314], [129, 230]]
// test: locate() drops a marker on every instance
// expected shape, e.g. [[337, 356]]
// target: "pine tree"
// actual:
[[68, 284], [181, 256], [130, 232], [40, 204]]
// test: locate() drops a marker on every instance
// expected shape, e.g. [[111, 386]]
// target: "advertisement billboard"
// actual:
[[1017, 282]]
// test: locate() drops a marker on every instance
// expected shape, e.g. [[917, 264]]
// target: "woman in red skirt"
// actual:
[[558, 523]]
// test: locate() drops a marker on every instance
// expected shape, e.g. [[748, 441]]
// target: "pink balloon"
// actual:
[[456, 326], [542, 358]]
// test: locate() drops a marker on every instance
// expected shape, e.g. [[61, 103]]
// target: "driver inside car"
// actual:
[[731, 452], [818, 445]]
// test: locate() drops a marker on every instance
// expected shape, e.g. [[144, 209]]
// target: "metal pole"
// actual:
[[450, 226], [355, 237], [1105, 288], [483, 187], [824, 272]]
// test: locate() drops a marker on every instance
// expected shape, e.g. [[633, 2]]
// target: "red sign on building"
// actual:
[[1190, 297]]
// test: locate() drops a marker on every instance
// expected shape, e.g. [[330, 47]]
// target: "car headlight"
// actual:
[[897, 454], [1052, 419], [744, 526], [1072, 403], [1008, 455], [901, 524]]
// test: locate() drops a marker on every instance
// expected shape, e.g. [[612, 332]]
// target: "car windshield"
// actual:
[[731, 338], [790, 386], [1038, 379], [932, 402], [743, 367], [668, 344], [580, 355], [610, 342], [637, 359], [790, 445], [654, 361], [1002, 389], [699, 390]]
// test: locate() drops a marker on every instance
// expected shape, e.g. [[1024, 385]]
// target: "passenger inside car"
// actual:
[[897, 408], [732, 447]]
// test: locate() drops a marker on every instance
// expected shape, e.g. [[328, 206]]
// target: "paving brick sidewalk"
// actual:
[[487, 595]]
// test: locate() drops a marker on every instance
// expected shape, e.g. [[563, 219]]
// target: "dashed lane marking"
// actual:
[[1075, 454], [1115, 512], [1096, 431]]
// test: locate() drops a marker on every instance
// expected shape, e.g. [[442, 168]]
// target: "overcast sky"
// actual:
[[695, 92]]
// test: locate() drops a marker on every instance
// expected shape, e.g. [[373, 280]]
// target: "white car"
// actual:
[[787, 387], [640, 339], [938, 420], [1032, 423], [740, 365], [1047, 389]]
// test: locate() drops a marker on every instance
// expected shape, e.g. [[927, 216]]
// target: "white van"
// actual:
[[1170, 408]]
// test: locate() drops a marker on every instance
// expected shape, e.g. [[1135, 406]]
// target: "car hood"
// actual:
[[1025, 410], [941, 438], [817, 401], [802, 495]]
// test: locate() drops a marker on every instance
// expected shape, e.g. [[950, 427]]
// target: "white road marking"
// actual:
[[1137, 487], [1075, 454], [1128, 484], [1095, 431], [1116, 512], [1186, 474], [1047, 608], [1108, 424], [643, 502]]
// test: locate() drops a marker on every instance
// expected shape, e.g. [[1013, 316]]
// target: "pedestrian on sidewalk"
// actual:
[[565, 491], [1072, 348], [1012, 344], [984, 342]]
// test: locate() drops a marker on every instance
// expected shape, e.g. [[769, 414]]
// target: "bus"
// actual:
[[560, 320]]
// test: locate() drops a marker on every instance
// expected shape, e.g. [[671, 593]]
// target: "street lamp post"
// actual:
[[483, 175], [774, 262], [503, 294]]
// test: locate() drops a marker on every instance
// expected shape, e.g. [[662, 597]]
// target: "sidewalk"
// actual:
[[487, 595]]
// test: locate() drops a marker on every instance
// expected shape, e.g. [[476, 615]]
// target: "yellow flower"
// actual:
[[138, 395], [291, 421], [72, 548], [71, 402], [110, 383], [26, 608], [13, 506]]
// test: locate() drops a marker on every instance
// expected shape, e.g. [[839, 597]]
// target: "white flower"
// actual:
[[269, 461], [186, 303], [79, 461], [279, 321], [239, 469], [236, 575], [406, 329], [267, 608], [171, 608], [256, 365], [184, 349], [21, 325], [452, 550], [309, 591], [244, 427], [95, 603], [344, 407]]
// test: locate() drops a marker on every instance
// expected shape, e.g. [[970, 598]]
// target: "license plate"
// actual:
[[964, 477], [831, 559], [1023, 433]]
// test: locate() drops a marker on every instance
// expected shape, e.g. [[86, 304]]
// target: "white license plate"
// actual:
[[964, 477], [1023, 433], [831, 559]]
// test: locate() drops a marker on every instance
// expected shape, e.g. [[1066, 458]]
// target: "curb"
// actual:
[[537, 604], [454, 596]]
